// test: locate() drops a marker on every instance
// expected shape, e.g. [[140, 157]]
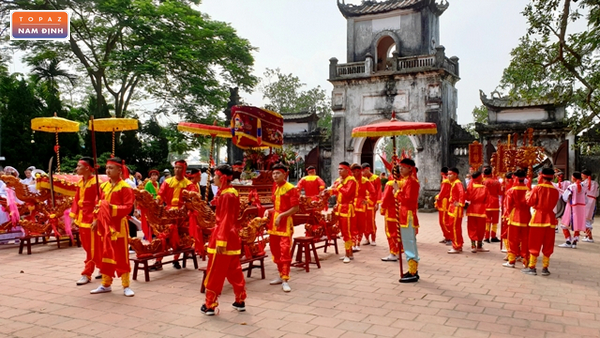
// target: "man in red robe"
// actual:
[[364, 197], [225, 246], [493, 209], [441, 204], [477, 195], [312, 184], [370, 225], [169, 194], [116, 203], [344, 188], [281, 226], [542, 199], [82, 213], [456, 203], [518, 214], [406, 193], [390, 216]]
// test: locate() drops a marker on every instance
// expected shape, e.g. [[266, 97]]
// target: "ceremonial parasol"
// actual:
[[113, 124], [208, 130], [394, 128], [55, 125]]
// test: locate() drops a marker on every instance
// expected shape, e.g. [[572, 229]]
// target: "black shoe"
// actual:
[[529, 271], [487, 240], [205, 310], [495, 240], [176, 265], [408, 274], [545, 272], [240, 307], [98, 277], [409, 278]]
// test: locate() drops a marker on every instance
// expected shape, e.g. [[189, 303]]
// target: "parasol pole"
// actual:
[[95, 157], [51, 180], [113, 144], [210, 165], [396, 174]]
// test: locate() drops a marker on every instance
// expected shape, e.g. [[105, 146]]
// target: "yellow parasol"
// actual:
[[113, 124], [55, 125]]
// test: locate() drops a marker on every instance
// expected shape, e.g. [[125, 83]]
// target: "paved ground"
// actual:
[[467, 295]]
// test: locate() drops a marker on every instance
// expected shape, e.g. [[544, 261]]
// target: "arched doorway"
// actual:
[[312, 159], [385, 47], [368, 151]]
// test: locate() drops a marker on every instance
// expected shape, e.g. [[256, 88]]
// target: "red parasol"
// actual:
[[395, 128], [206, 129]]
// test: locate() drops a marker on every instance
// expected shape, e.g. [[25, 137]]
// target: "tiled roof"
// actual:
[[376, 7], [506, 102], [300, 117]]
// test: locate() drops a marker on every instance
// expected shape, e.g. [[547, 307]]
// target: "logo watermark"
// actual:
[[39, 25]]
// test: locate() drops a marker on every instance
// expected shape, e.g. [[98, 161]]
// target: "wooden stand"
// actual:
[[186, 253], [26, 241], [305, 245], [326, 243]]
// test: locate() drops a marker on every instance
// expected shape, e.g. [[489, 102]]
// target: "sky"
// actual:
[[300, 37]]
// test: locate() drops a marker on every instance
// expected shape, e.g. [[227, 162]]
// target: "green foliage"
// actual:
[[480, 115], [162, 50], [286, 96], [551, 62], [402, 143]]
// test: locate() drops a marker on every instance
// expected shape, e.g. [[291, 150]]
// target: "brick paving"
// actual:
[[466, 295]]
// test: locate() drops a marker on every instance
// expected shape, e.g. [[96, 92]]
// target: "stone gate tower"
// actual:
[[394, 63]]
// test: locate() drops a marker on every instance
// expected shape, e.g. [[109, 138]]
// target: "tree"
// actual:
[[480, 115], [285, 95], [554, 61], [162, 50]]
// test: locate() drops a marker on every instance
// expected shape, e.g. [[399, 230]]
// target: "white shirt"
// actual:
[[203, 179]]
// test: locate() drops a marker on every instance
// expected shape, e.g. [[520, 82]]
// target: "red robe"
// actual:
[[312, 185], [82, 212], [455, 213], [364, 193], [518, 215], [493, 207], [477, 196], [441, 203], [225, 235], [371, 226], [542, 198], [169, 193], [345, 190], [284, 198], [115, 234]]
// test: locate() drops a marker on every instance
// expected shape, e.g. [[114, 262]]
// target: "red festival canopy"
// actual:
[[394, 128]]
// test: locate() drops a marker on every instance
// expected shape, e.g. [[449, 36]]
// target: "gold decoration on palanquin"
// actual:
[[144, 250]]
